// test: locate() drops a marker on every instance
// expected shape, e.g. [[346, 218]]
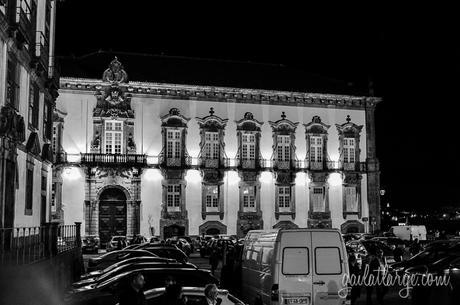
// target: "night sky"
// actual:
[[409, 55]]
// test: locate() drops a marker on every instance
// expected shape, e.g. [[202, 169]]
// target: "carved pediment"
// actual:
[[114, 102], [174, 119], [283, 125], [349, 129], [316, 126], [33, 144], [248, 123], [115, 73], [12, 124], [212, 122]]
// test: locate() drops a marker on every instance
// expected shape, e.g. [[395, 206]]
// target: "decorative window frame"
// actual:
[[220, 200], [319, 180], [283, 127], [174, 121], [352, 180], [318, 129], [256, 186], [248, 125], [114, 104], [173, 178], [29, 186], [286, 180], [212, 123], [349, 130]]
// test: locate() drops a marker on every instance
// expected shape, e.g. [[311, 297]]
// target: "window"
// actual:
[[34, 102], [284, 197], [249, 198], [113, 137], [173, 197], [173, 144], [328, 260], [53, 197], [54, 141], [351, 199], [349, 150], [295, 261], [283, 148], [12, 82], [317, 198], [212, 145], [29, 190], [212, 198], [47, 120], [316, 149], [248, 149]]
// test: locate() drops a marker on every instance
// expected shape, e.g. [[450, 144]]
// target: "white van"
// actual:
[[294, 266], [406, 232]]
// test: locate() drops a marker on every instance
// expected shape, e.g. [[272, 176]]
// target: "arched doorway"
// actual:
[[213, 227], [212, 231], [112, 214], [174, 230], [352, 226], [285, 224]]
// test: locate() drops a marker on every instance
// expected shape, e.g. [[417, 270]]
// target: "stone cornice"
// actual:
[[225, 94]]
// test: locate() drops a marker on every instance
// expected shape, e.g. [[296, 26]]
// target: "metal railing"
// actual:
[[26, 245], [41, 49], [175, 161], [115, 159]]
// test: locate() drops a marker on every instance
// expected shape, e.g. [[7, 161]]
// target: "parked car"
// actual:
[[155, 240], [194, 295], [113, 244], [106, 293], [90, 243], [132, 260], [361, 248], [181, 244], [205, 248], [128, 267], [389, 241], [189, 241], [103, 261], [168, 252]]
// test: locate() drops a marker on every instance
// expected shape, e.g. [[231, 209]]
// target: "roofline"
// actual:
[[233, 94]]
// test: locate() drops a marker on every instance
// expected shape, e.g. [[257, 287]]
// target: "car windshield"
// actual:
[[117, 238]]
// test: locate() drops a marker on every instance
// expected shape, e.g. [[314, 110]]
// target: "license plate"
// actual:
[[297, 300]]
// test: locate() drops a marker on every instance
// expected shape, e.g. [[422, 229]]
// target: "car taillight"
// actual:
[[275, 292]]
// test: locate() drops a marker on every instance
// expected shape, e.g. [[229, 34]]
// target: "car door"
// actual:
[[329, 265]]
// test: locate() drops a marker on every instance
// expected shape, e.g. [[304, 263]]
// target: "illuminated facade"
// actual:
[[28, 89], [168, 159]]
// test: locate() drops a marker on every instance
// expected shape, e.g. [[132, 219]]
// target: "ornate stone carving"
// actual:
[[113, 102], [102, 172], [12, 124], [115, 73], [33, 144]]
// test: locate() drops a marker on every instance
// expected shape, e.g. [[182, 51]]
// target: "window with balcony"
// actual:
[[317, 199], [212, 145], [316, 149], [248, 146], [34, 102], [173, 197], [283, 148], [47, 120], [284, 198], [249, 198], [29, 190], [12, 82], [349, 150], [113, 137], [173, 144], [212, 198]]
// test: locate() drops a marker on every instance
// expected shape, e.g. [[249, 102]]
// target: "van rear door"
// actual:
[[329, 266], [295, 286]]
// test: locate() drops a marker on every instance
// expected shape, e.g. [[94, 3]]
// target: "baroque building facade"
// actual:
[[28, 89], [169, 159]]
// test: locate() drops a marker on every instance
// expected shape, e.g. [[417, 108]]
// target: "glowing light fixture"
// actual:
[[232, 177], [153, 174], [71, 173], [335, 179], [193, 176], [152, 160], [194, 161], [74, 158], [266, 177]]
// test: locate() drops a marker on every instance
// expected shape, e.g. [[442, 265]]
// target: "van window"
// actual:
[[267, 255], [295, 261], [328, 260]]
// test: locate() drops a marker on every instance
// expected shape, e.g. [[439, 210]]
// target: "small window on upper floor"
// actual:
[[113, 137], [248, 149], [316, 149], [283, 148], [212, 145], [349, 150]]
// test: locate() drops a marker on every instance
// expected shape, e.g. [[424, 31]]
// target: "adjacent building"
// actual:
[[171, 159], [28, 90]]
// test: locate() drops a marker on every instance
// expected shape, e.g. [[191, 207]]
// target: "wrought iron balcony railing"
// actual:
[[284, 164], [24, 22], [354, 166], [211, 163], [179, 162], [41, 50], [94, 159]]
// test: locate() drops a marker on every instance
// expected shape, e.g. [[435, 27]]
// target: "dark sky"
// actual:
[[409, 53]]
